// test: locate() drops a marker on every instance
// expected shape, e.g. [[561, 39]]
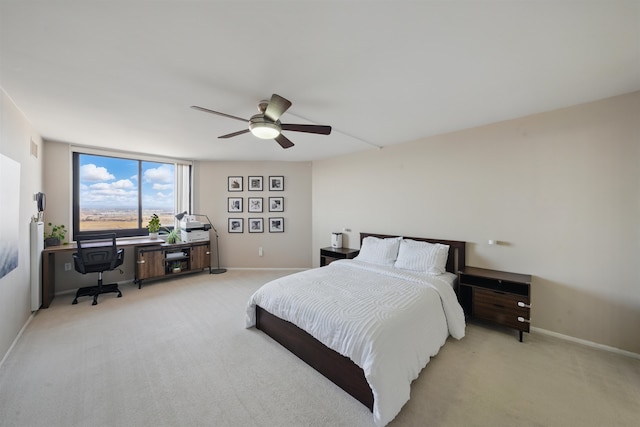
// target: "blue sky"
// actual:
[[108, 182]]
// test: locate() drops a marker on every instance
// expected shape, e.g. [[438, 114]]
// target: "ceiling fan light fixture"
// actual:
[[267, 125], [262, 128], [265, 131]]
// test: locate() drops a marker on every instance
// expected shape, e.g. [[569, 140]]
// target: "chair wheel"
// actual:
[[75, 301], [94, 302]]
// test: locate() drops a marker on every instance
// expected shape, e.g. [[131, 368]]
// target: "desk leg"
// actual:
[[48, 278]]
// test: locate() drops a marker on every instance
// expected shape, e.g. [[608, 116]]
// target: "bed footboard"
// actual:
[[341, 370]]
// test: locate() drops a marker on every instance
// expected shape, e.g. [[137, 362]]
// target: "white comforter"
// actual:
[[390, 322]]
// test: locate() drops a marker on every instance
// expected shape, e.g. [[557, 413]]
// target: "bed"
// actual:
[[355, 321]]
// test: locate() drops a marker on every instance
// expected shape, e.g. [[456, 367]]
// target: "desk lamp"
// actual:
[[216, 270]]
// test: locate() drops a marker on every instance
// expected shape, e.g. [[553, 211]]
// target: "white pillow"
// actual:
[[430, 258], [379, 251]]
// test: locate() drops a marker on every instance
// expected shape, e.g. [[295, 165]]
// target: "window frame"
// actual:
[[141, 231]]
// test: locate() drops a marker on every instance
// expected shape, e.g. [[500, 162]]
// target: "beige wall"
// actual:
[[559, 190], [291, 249], [16, 134]]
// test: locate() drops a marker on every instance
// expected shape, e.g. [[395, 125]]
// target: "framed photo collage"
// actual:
[[255, 205]]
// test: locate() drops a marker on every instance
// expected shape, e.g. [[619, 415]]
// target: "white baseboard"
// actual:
[[17, 338], [587, 343]]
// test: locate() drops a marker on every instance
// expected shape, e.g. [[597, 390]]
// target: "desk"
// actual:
[[49, 263]]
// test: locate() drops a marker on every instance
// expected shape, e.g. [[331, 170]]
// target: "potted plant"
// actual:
[[153, 226], [55, 236], [176, 267], [172, 236]]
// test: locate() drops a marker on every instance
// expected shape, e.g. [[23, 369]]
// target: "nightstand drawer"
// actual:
[[501, 299], [501, 308], [501, 317]]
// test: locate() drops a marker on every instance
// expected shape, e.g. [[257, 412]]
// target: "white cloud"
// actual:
[[122, 192], [160, 187], [162, 174], [123, 184], [91, 172]]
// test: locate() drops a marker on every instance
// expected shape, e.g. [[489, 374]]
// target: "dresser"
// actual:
[[496, 296]]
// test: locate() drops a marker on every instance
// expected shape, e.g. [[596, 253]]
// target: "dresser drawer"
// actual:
[[501, 308]]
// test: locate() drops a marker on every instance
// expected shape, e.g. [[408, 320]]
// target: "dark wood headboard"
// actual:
[[456, 259]]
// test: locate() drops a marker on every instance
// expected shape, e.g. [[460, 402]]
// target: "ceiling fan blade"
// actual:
[[206, 110], [231, 135], [323, 130], [283, 141], [277, 106]]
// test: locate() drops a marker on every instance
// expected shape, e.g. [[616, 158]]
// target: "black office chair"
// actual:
[[97, 253]]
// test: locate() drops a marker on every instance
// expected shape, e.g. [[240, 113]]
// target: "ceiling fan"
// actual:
[[266, 124]]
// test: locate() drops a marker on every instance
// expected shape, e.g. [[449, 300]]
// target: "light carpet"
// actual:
[[176, 353]]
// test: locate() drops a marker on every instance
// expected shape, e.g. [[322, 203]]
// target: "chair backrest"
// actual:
[[97, 252]]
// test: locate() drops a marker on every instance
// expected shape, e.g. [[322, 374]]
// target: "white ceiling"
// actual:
[[122, 74]]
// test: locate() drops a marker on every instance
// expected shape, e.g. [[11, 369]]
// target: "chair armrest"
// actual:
[[77, 264], [119, 258]]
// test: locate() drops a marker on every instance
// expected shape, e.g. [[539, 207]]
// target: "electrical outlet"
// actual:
[[67, 266], [260, 253]]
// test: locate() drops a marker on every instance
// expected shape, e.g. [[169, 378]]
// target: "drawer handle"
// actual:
[[521, 304], [141, 261], [523, 320], [208, 253]]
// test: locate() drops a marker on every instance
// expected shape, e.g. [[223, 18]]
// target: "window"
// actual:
[[118, 194]]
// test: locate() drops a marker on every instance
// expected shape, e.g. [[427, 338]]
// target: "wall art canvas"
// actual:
[[10, 215]]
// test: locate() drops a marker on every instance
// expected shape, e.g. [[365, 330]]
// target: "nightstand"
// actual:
[[328, 255], [496, 296]]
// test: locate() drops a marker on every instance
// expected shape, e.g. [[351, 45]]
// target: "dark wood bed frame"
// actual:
[[340, 369]]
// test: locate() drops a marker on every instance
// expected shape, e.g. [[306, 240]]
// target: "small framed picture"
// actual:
[[235, 183], [255, 183], [255, 204], [234, 204], [256, 225], [276, 204], [276, 183], [236, 225], [276, 225]]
